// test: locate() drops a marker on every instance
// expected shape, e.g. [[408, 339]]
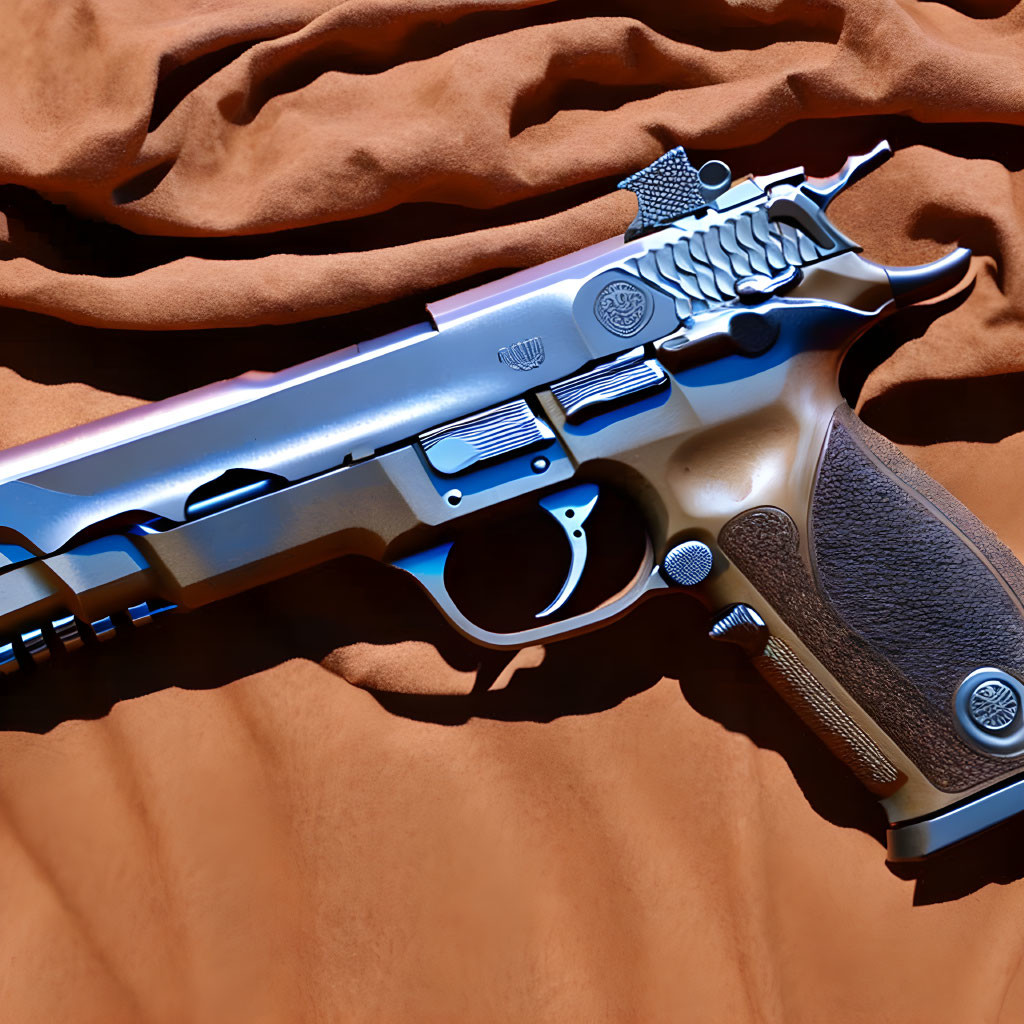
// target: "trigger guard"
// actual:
[[427, 568]]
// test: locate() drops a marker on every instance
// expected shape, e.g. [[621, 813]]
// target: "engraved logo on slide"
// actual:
[[623, 308], [994, 705], [523, 355]]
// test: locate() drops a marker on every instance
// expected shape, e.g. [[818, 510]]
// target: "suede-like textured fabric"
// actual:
[[315, 802]]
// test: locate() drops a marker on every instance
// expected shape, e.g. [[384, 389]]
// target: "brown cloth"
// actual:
[[316, 803]]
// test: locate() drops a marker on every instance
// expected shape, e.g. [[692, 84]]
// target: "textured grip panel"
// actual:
[[913, 593], [823, 713]]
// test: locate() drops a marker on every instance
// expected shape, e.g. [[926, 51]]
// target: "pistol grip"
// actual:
[[897, 596]]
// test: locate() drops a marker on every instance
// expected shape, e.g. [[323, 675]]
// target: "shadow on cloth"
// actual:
[[359, 601]]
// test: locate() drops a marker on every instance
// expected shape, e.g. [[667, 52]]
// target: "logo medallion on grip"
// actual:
[[623, 308], [993, 705], [987, 712], [523, 355]]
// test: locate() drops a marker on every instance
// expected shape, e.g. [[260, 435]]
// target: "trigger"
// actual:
[[570, 509]]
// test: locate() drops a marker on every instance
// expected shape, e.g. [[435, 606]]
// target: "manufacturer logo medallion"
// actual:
[[623, 308], [523, 355], [993, 705]]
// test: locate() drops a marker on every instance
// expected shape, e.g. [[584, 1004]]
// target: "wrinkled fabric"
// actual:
[[314, 802]]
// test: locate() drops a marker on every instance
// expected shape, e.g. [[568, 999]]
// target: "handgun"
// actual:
[[688, 372]]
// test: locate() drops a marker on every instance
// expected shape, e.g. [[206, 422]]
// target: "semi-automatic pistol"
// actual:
[[687, 372]]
